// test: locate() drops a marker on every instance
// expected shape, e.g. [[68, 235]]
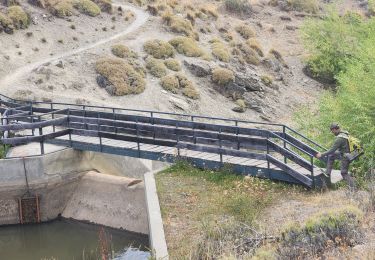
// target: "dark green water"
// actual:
[[65, 239]]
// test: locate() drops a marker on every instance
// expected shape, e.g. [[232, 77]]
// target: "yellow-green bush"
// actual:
[[104, 5], [180, 25], [209, 10], [245, 31], [159, 49], [121, 75], [222, 76], [247, 54], [179, 83], [62, 8], [310, 6], [220, 50], [6, 22], [172, 64], [267, 80], [18, 16], [123, 51], [87, 7], [156, 67], [254, 44], [186, 46]]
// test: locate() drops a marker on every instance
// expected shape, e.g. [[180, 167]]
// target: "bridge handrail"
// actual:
[[236, 121]]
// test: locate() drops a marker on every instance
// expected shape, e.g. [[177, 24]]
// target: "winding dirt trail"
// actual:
[[141, 18]]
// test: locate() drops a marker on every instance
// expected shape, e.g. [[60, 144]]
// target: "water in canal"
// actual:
[[67, 240]]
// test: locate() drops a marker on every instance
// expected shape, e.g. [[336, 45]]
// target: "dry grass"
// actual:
[[245, 31], [173, 64], [18, 16], [255, 45], [220, 50], [310, 6], [61, 8], [124, 78], [6, 23], [186, 46], [104, 5], [87, 7], [209, 10], [123, 51], [178, 24], [222, 77], [156, 67], [238, 6], [247, 54], [159, 49], [267, 80], [179, 83], [278, 56]]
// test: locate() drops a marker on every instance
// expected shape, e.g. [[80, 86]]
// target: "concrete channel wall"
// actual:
[[98, 188]]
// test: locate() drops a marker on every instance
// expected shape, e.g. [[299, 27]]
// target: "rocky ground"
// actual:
[[54, 59]]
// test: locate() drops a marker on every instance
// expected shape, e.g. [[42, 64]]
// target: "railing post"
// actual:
[[53, 117], [70, 130], [284, 136], [178, 139], [312, 170], [237, 133], [194, 136], [220, 144], [114, 120], [152, 123], [268, 152], [138, 144], [32, 118], [100, 136], [41, 135]]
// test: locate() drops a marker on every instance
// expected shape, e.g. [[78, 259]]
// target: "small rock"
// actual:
[[164, 91], [239, 109], [199, 68], [179, 103], [60, 64], [291, 27], [111, 90], [39, 81], [102, 81], [285, 18]]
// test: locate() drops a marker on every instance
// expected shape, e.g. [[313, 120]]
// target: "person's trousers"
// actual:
[[344, 167]]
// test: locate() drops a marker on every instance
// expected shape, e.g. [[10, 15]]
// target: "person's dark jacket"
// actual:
[[341, 144]]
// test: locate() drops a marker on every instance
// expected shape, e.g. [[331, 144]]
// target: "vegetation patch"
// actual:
[[172, 64], [18, 16], [247, 54], [178, 24], [211, 214], [159, 49], [267, 80], [339, 228], [6, 24], [222, 76], [123, 78], [310, 6], [61, 8], [255, 45], [156, 67], [245, 31], [87, 7], [104, 5], [186, 46], [179, 83], [220, 50], [238, 6], [123, 51], [209, 10]]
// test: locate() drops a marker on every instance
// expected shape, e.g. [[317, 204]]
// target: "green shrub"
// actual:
[[123, 51], [238, 6], [245, 31], [220, 51], [19, 17], [222, 76], [338, 228], [350, 57], [62, 8], [178, 83], [310, 6], [156, 67], [87, 7], [124, 78], [172, 64], [186, 46], [159, 49]]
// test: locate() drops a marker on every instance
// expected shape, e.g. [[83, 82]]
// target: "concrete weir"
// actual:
[[103, 189]]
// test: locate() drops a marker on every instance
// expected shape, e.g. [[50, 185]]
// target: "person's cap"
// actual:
[[334, 126]]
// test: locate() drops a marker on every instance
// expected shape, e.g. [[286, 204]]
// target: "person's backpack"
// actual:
[[355, 148]]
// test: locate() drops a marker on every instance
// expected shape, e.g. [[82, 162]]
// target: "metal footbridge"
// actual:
[[266, 150]]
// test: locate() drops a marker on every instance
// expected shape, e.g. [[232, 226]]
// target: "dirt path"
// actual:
[[141, 18]]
